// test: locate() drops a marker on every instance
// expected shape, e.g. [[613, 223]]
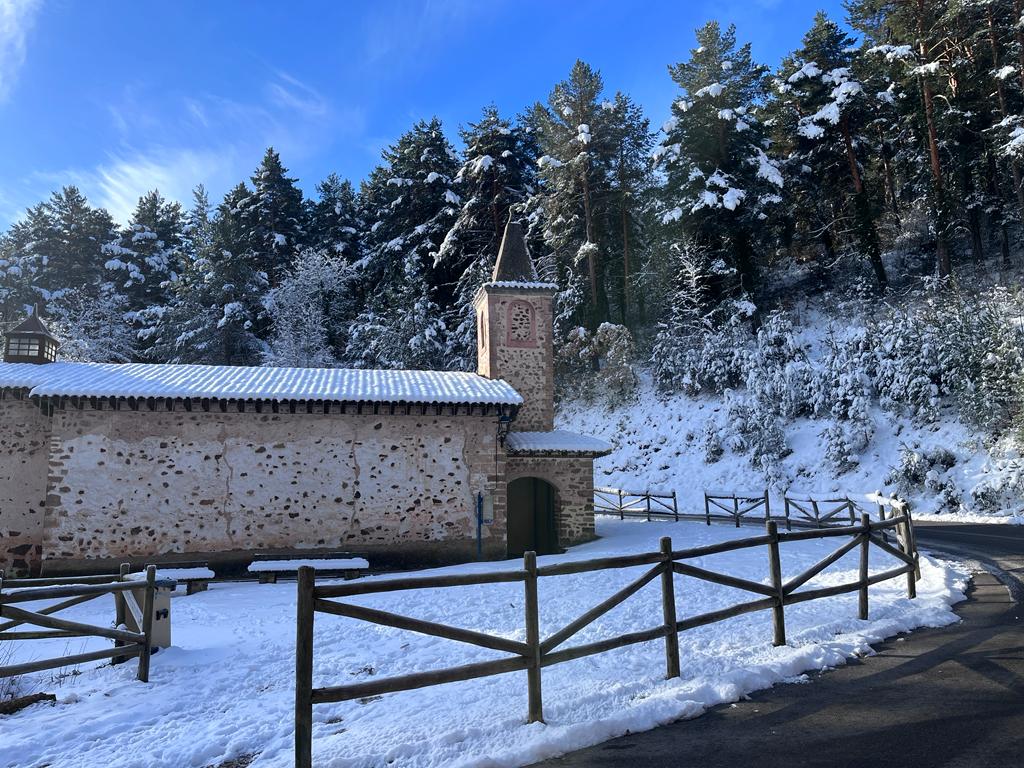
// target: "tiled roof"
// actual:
[[256, 383], [556, 441]]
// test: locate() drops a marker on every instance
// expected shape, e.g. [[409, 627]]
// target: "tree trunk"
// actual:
[[1018, 182], [626, 271], [888, 175], [588, 217], [944, 267], [866, 231]]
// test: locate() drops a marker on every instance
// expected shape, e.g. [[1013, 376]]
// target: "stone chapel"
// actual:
[[105, 463]]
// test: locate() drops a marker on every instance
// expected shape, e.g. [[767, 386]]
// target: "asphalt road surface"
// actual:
[[936, 698]]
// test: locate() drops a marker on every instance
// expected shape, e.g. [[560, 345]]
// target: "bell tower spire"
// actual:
[[514, 330]]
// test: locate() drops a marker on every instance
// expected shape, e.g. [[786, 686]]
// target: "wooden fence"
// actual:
[[71, 591], [536, 653], [735, 505], [648, 504], [807, 509]]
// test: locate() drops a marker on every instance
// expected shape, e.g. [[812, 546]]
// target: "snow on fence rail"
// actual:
[[649, 504], [536, 653], [73, 591]]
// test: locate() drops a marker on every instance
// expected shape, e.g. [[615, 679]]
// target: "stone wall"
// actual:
[[400, 488], [573, 477], [528, 365], [24, 443]]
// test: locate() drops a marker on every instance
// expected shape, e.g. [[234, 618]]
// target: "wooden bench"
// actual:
[[344, 565]]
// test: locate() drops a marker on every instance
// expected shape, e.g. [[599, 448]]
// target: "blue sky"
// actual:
[[121, 97]]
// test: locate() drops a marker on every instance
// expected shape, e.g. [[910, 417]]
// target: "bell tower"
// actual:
[[514, 331]]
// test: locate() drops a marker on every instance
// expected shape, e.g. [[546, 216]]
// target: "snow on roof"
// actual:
[[522, 284], [557, 441], [221, 382]]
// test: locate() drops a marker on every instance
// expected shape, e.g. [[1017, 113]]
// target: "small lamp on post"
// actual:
[[30, 342]]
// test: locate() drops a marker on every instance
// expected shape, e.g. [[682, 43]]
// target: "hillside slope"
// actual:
[[660, 444]]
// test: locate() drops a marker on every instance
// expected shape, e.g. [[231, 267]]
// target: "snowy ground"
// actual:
[[226, 687], [658, 446]]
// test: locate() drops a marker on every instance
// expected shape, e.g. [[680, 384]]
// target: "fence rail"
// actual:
[[74, 591], [735, 505], [644, 504], [806, 508], [536, 652]]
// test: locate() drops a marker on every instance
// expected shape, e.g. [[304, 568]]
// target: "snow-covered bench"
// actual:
[[269, 567], [195, 576]]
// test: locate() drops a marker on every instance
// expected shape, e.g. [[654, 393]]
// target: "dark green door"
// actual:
[[531, 517]]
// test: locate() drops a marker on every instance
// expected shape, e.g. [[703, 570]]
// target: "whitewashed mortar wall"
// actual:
[[24, 443], [143, 483]]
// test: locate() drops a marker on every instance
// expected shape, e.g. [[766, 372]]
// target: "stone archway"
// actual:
[[531, 517]]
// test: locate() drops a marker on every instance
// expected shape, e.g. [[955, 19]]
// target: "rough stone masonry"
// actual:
[[100, 464]]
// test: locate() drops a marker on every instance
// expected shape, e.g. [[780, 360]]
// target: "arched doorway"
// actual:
[[531, 517]]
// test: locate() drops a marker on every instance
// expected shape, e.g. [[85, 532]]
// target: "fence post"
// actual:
[[817, 514], [910, 549], [881, 519], [675, 506], [912, 539], [767, 507], [147, 623], [622, 512], [736, 509], [647, 498], [536, 704], [120, 613], [865, 549], [775, 571], [785, 506], [707, 509], [668, 606], [304, 668]]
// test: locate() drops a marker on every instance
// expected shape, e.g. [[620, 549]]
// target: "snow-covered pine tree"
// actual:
[[822, 111], [59, 244], [907, 36], [219, 298], [631, 182], [497, 177], [272, 218], [578, 150], [143, 262], [720, 182], [334, 223], [409, 205]]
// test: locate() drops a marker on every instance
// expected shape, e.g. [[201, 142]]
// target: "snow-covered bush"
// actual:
[[927, 470], [754, 428], [778, 374], [711, 442], [1001, 488], [613, 348]]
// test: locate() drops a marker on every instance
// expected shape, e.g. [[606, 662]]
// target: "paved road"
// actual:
[[938, 698]]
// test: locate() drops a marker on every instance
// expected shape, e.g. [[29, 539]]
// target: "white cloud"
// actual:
[[293, 95], [118, 184], [16, 19], [174, 144]]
